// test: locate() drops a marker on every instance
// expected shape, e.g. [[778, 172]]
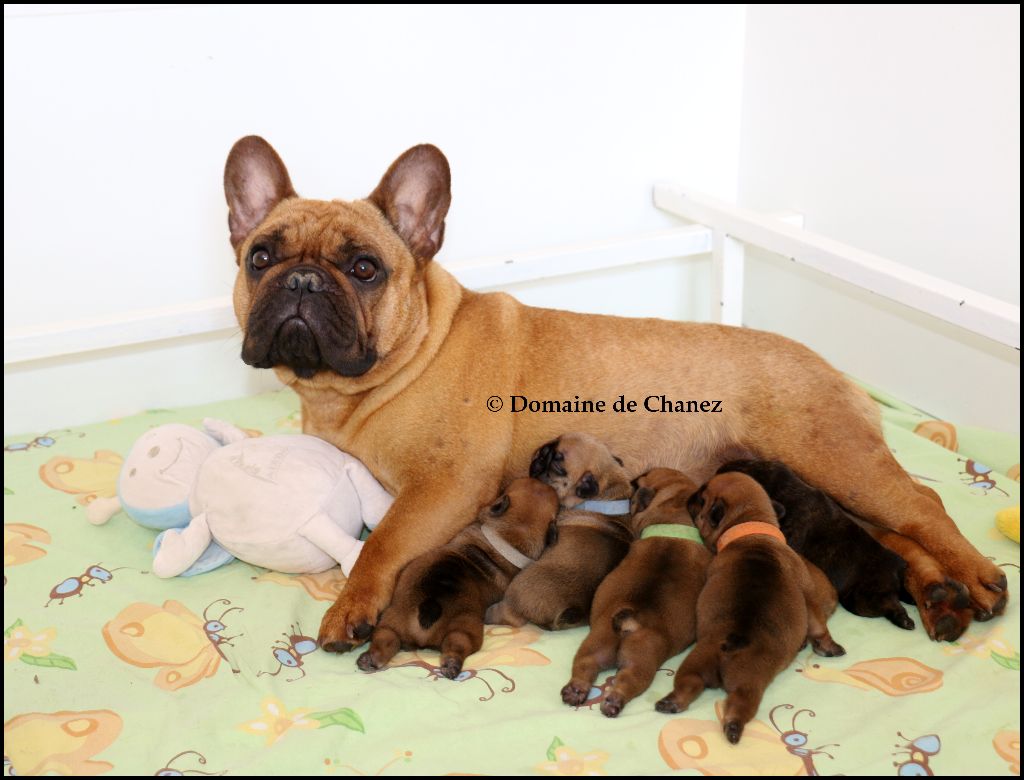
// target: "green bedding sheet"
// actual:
[[218, 674]]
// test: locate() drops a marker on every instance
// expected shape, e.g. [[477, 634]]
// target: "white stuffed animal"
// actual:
[[295, 504]]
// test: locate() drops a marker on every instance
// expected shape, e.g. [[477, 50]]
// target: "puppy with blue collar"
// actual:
[[645, 611], [593, 535]]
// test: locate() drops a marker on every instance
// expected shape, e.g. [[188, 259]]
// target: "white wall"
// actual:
[[117, 122], [895, 129]]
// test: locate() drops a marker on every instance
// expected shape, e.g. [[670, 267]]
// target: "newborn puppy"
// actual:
[[556, 592], [760, 604], [645, 611], [441, 596], [867, 576]]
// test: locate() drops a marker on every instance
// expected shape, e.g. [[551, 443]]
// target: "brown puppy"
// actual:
[[442, 595], [760, 605], [557, 591], [395, 362], [645, 611]]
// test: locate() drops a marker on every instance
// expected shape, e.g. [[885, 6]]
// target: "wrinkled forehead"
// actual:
[[305, 229]]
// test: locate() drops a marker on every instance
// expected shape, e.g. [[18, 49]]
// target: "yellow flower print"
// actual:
[[564, 761], [276, 721], [23, 639]]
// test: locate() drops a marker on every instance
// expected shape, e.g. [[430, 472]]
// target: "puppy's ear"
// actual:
[[414, 195], [780, 510], [587, 487], [696, 503], [717, 513], [255, 180], [500, 507], [642, 499], [552, 535]]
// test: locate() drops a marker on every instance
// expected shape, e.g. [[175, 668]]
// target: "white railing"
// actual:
[[722, 229], [733, 226]]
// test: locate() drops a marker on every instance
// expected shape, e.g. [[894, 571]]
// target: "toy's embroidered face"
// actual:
[[162, 466]]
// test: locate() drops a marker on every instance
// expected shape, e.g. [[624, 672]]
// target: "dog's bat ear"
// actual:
[[587, 487], [255, 180], [717, 514], [414, 195], [780, 510], [642, 499], [500, 507]]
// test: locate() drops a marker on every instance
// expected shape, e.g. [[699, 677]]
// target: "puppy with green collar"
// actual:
[[645, 611], [593, 535]]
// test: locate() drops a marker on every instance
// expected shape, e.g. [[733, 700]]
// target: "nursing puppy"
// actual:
[[645, 611], [759, 606], [557, 591], [441, 596], [867, 576]]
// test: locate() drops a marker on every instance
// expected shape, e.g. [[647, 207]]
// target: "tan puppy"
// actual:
[[645, 611], [760, 605], [395, 362], [557, 591], [442, 595]]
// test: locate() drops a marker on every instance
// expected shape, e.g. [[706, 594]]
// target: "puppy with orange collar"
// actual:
[[645, 611], [761, 603], [441, 596]]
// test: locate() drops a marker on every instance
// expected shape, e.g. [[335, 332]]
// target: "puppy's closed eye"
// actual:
[[780, 510], [696, 503], [587, 486], [500, 507]]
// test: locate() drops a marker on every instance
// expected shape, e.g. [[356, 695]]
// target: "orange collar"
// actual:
[[749, 529]]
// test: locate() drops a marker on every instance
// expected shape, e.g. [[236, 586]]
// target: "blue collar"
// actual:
[[619, 506]]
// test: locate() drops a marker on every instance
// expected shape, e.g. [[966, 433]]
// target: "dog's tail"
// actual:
[[734, 641], [624, 621], [429, 612]]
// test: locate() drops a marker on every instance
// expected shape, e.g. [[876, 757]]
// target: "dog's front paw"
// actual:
[[827, 646], [574, 696], [366, 663], [349, 621], [985, 585], [945, 609], [668, 705]]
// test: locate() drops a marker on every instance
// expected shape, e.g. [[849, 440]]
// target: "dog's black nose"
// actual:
[[304, 280]]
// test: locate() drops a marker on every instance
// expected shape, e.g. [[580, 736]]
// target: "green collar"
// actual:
[[673, 531]]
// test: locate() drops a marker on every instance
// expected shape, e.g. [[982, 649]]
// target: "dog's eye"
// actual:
[[364, 268], [259, 258]]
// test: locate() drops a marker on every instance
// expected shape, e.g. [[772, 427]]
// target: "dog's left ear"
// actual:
[[717, 513], [414, 195], [587, 487], [780, 510], [255, 180]]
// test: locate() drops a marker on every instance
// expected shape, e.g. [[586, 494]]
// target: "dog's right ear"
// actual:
[[500, 507], [415, 195], [642, 499], [255, 180]]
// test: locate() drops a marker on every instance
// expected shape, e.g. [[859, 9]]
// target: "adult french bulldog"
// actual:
[[394, 362]]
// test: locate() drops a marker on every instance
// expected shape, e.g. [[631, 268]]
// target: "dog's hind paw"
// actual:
[[573, 696]]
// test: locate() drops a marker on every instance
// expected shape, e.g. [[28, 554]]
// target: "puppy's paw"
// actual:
[[366, 663], [668, 705], [733, 730], [612, 705], [898, 617], [827, 646], [946, 610], [574, 696], [349, 621], [451, 667]]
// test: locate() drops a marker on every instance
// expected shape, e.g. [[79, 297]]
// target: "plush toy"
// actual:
[[295, 504], [1008, 521]]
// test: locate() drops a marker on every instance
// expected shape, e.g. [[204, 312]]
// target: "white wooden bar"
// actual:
[[727, 265], [213, 315], [953, 303]]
